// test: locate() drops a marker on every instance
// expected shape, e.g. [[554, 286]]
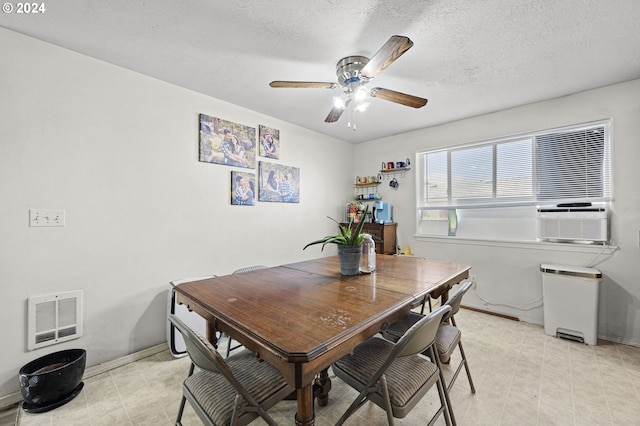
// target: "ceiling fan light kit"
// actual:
[[353, 73]]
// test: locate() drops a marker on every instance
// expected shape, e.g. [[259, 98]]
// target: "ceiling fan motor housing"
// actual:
[[348, 70]]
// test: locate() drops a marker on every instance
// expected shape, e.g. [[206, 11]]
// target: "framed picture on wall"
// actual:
[[269, 142], [278, 183], [226, 142], [243, 188]]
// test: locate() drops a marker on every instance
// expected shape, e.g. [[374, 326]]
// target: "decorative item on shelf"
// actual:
[[365, 188], [391, 169], [370, 196], [352, 212], [366, 181], [349, 242]]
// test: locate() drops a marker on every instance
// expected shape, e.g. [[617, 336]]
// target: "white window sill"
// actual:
[[533, 244]]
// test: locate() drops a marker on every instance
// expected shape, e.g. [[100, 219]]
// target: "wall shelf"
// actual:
[[365, 191], [400, 171]]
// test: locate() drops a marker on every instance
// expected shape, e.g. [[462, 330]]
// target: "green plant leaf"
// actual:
[[349, 236]]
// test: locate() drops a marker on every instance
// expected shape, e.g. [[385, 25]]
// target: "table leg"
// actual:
[[321, 387], [305, 415]]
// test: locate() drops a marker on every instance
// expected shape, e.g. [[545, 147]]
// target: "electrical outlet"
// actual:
[[46, 217]]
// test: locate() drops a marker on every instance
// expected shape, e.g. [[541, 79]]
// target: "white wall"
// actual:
[[509, 273], [119, 152]]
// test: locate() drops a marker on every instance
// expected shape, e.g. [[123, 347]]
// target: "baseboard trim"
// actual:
[[496, 314], [16, 397], [127, 359]]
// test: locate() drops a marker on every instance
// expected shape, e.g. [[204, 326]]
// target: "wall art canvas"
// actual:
[[226, 142], [279, 183], [269, 142], [243, 190]]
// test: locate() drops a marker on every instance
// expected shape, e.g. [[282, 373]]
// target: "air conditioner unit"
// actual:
[[583, 225]]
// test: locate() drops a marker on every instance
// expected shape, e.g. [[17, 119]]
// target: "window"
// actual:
[[555, 166]]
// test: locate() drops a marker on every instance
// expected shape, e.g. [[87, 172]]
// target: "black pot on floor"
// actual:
[[52, 380]]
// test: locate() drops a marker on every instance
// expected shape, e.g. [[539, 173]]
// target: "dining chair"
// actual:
[[249, 269], [232, 391], [239, 271], [195, 321], [449, 335], [395, 376]]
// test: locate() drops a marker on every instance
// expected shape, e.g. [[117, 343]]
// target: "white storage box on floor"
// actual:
[[570, 296]]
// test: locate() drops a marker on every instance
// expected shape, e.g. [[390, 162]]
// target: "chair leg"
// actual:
[[387, 400], [229, 348], [180, 411], [183, 400], [443, 402], [427, 299], [228, 345], [466, 367], [434, 355], [355, 405]]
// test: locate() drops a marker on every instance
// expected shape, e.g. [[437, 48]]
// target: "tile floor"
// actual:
[[522, 377]]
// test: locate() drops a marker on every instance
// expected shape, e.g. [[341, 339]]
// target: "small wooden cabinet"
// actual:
[[383, 235]]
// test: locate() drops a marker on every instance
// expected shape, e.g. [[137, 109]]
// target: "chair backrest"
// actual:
[[249, 268], [416, 340], [455, 300], [421, 335], [206, 357], [201, 352]]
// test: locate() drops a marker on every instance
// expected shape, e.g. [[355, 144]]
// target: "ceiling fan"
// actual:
[[354, 72]]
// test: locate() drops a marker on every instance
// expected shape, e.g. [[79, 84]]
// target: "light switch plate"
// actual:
[[46, 217]]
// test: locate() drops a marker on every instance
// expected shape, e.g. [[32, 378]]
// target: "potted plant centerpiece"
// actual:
[[349, 242]]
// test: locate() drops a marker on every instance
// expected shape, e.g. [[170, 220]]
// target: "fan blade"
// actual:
[[336, 112], [388, 53], [398, 97], [304, 84]]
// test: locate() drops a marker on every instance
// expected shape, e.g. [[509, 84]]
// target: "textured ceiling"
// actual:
[[470, 56]]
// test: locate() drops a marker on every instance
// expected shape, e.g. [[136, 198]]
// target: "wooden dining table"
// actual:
[[302, 317]]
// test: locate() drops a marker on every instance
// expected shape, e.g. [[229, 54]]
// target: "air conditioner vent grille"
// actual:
[[572, 225]]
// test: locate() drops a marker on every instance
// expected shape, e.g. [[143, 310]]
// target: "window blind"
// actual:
[[573, 165], [562, 165]]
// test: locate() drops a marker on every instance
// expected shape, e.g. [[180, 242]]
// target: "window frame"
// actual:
[[423, 204]]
